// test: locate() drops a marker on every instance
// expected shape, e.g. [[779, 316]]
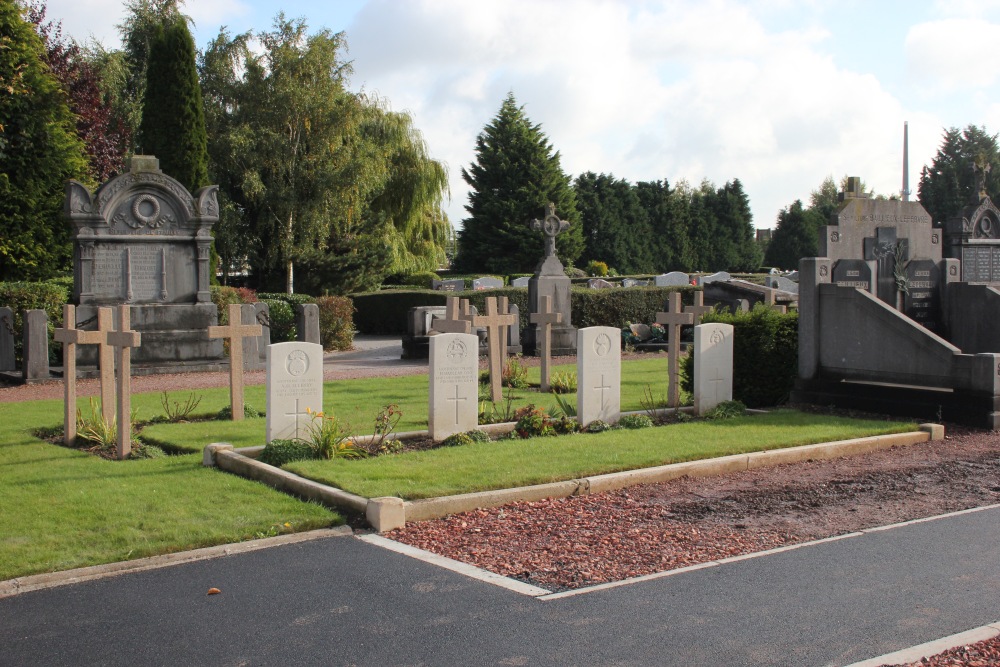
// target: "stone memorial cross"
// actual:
[[699, 308], [494, 322], [552, 226], [674, 319], [544, 319], [124, 339], [453, 321], [70, 337], [235, 332]]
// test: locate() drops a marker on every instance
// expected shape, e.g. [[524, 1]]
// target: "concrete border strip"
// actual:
[[37, 582], [917, 653], [465, 569]]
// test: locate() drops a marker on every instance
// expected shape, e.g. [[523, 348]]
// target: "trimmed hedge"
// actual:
[[282, 318], [385, 312], [765, 355]]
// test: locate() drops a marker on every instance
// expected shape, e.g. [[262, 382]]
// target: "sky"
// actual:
[[777, 93]]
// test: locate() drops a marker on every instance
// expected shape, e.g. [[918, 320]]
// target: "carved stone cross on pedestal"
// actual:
[[494, 321], [124, 339], [674, 319], [544, 319], [70, 337], [235, 332], [552, 226]]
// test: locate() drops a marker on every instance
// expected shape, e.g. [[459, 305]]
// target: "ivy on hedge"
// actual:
[[765, 355]]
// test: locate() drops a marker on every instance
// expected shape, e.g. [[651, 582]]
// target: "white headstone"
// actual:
[[454, 384], [294, 383], [713, 366], [715, 277], [598, 283], [672, 278], [520, 282], [598, 372]]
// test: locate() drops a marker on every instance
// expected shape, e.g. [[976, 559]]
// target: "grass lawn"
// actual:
[[61, 508], [509, 463]]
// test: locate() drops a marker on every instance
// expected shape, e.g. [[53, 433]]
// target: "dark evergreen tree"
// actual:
[[615, 224], [795, 238], [39, 151], [733, 248], [949, 183], [668, 211], [173, 117], [515, 175]]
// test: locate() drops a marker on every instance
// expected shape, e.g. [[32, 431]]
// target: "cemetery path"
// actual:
[[341, 601]]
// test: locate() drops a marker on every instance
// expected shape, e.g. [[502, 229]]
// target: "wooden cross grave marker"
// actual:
[[769, 300], [70, 337], [494, 321], [235, 332], [544, 319], [674, 319], [699, 309], [453, 321], [124, 339]]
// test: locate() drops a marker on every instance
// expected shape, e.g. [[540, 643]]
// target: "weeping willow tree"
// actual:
[[315, 176]]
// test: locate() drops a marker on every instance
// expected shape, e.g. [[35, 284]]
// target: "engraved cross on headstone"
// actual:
[[603, 387], [124, 339], [456, 401], [494, 321], [543, 320], [552, 226], [298, 413], [674, 319], [235, 332]]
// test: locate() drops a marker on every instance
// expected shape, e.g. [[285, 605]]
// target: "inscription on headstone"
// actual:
[[922, 301], [853, 273]]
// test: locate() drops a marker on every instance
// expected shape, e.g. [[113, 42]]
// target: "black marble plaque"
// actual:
[[922, 303], [853, 273], [977, 264], [448, 285]]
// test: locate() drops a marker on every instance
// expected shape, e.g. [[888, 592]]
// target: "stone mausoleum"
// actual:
[[143, 240]]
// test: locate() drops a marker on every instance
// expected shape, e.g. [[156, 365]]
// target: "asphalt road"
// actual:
[[341, 601]]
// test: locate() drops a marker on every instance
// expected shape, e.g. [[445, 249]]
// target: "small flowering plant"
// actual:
[[329, 437]]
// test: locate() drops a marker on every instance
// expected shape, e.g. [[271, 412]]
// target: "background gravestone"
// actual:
[[973, 236], [35, 367], [143, 240], [307, 322], [487, 282], [7, 362], [671, 279], [262, 316], [550, 280]]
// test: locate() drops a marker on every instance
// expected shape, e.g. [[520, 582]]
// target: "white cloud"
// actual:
[[86, 19], [953, 55]]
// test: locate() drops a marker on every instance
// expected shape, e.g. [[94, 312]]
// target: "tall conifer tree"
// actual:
[[173, 117], [515, 175]]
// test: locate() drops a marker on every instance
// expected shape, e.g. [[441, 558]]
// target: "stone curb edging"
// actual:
[[35, 582], [921, 651], [385, 514]]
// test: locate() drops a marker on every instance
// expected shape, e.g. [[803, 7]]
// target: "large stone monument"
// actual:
[[143, 240], [550, 280], [887, 325]]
